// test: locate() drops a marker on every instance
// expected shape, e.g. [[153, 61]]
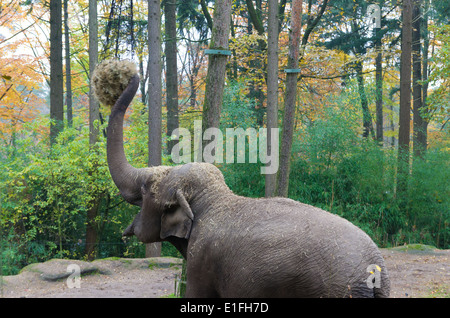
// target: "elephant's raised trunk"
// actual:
[[125, 176], [115, 83]]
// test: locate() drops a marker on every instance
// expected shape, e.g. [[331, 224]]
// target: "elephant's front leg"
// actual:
[[200, 289], [200, 279]]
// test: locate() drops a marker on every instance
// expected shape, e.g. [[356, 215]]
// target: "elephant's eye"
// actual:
[[144, 189]]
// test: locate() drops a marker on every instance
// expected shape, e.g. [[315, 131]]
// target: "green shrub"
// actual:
[[46, 193], [428, 198]]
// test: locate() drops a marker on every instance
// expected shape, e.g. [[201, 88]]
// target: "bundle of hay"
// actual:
[[110, 79]]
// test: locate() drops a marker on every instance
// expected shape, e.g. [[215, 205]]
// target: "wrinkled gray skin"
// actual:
[[237, 246]]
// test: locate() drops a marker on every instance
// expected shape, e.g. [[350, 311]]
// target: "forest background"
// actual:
[[57, 198]]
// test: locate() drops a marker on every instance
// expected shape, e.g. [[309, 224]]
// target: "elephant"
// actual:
[[236, 246]]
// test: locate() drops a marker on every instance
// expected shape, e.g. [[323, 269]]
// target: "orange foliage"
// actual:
[[320, 70], [19, 80]]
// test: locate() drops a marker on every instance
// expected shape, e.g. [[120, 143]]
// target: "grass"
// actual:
[[439, 291], [170, 296]]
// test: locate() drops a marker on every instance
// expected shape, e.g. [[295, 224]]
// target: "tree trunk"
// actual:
[[143, 79], [426, 44], [255, 17], [405, 99], [392, 91], [256, 91], [379, 88], [171, 70], [94, 113], [92, 230], [233, 71], [290, 98], [68, 68], [205, 11], [419, 124], [272, 88], [367, 117], [56, 71], [154, 98], [215, 78], [94, 117]]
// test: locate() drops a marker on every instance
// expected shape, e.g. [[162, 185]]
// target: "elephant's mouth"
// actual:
[[129, 231]]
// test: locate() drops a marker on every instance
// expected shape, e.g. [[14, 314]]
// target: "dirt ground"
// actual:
[[418, 271], [109, 278], [415, 271]]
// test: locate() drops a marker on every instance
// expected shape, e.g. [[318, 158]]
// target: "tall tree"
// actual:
[[94, 116], [215, 78], [378, 73], [193, 26], [171, 69], [419, 123], [56, 71], [256, 21], [94, 113], [290, 97], [426, 44], [367, 117], [405, 98], [68, 68], [255, 88], [379, 88], [272, 87], [353, 37], [154, 97]]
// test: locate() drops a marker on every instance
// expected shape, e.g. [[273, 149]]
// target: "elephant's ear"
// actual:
[[177, 222]]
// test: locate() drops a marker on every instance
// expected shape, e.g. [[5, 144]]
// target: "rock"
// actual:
[[141, 263], [416, 249], [57, 269]]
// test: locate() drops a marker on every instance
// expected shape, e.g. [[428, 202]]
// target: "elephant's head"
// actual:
[[164, 193], [164, 211]]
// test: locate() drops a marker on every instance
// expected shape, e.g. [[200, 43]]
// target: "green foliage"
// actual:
[[428, 199], [333, 167], [439, 99], [237, 109], [238, 112], [45, 195], [340, 171]]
